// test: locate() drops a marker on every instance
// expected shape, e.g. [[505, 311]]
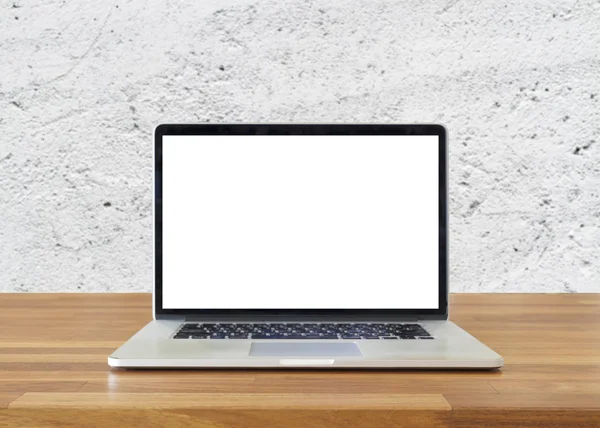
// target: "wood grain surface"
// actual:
[[53, 372]]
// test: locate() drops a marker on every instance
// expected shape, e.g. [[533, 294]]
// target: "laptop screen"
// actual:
[[300, 222]]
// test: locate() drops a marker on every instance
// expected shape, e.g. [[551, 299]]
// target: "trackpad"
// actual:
[[295, 349]]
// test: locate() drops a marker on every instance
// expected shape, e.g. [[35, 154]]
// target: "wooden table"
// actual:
[[53, 372]]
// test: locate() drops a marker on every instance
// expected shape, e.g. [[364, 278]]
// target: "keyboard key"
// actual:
[[313, 337], [261, 336], [293, 336]]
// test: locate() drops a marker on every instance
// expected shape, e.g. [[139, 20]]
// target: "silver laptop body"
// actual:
[[321, 246]]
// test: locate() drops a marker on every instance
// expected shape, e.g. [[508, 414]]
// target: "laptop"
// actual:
[[295, 246]]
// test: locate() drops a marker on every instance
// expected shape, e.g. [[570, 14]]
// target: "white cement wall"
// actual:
[[83, 83]]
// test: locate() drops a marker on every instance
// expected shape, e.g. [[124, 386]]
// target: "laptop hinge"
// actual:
[[169, 317], [266, 319]]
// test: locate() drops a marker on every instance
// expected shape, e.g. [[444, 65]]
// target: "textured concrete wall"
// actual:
[[82, 84]]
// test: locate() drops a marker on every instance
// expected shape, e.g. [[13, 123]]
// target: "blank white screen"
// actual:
[[304, 222]]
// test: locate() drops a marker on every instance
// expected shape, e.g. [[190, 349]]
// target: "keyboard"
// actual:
[[373, 331]]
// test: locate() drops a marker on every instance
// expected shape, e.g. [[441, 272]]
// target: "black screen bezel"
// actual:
[[304, 129]]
